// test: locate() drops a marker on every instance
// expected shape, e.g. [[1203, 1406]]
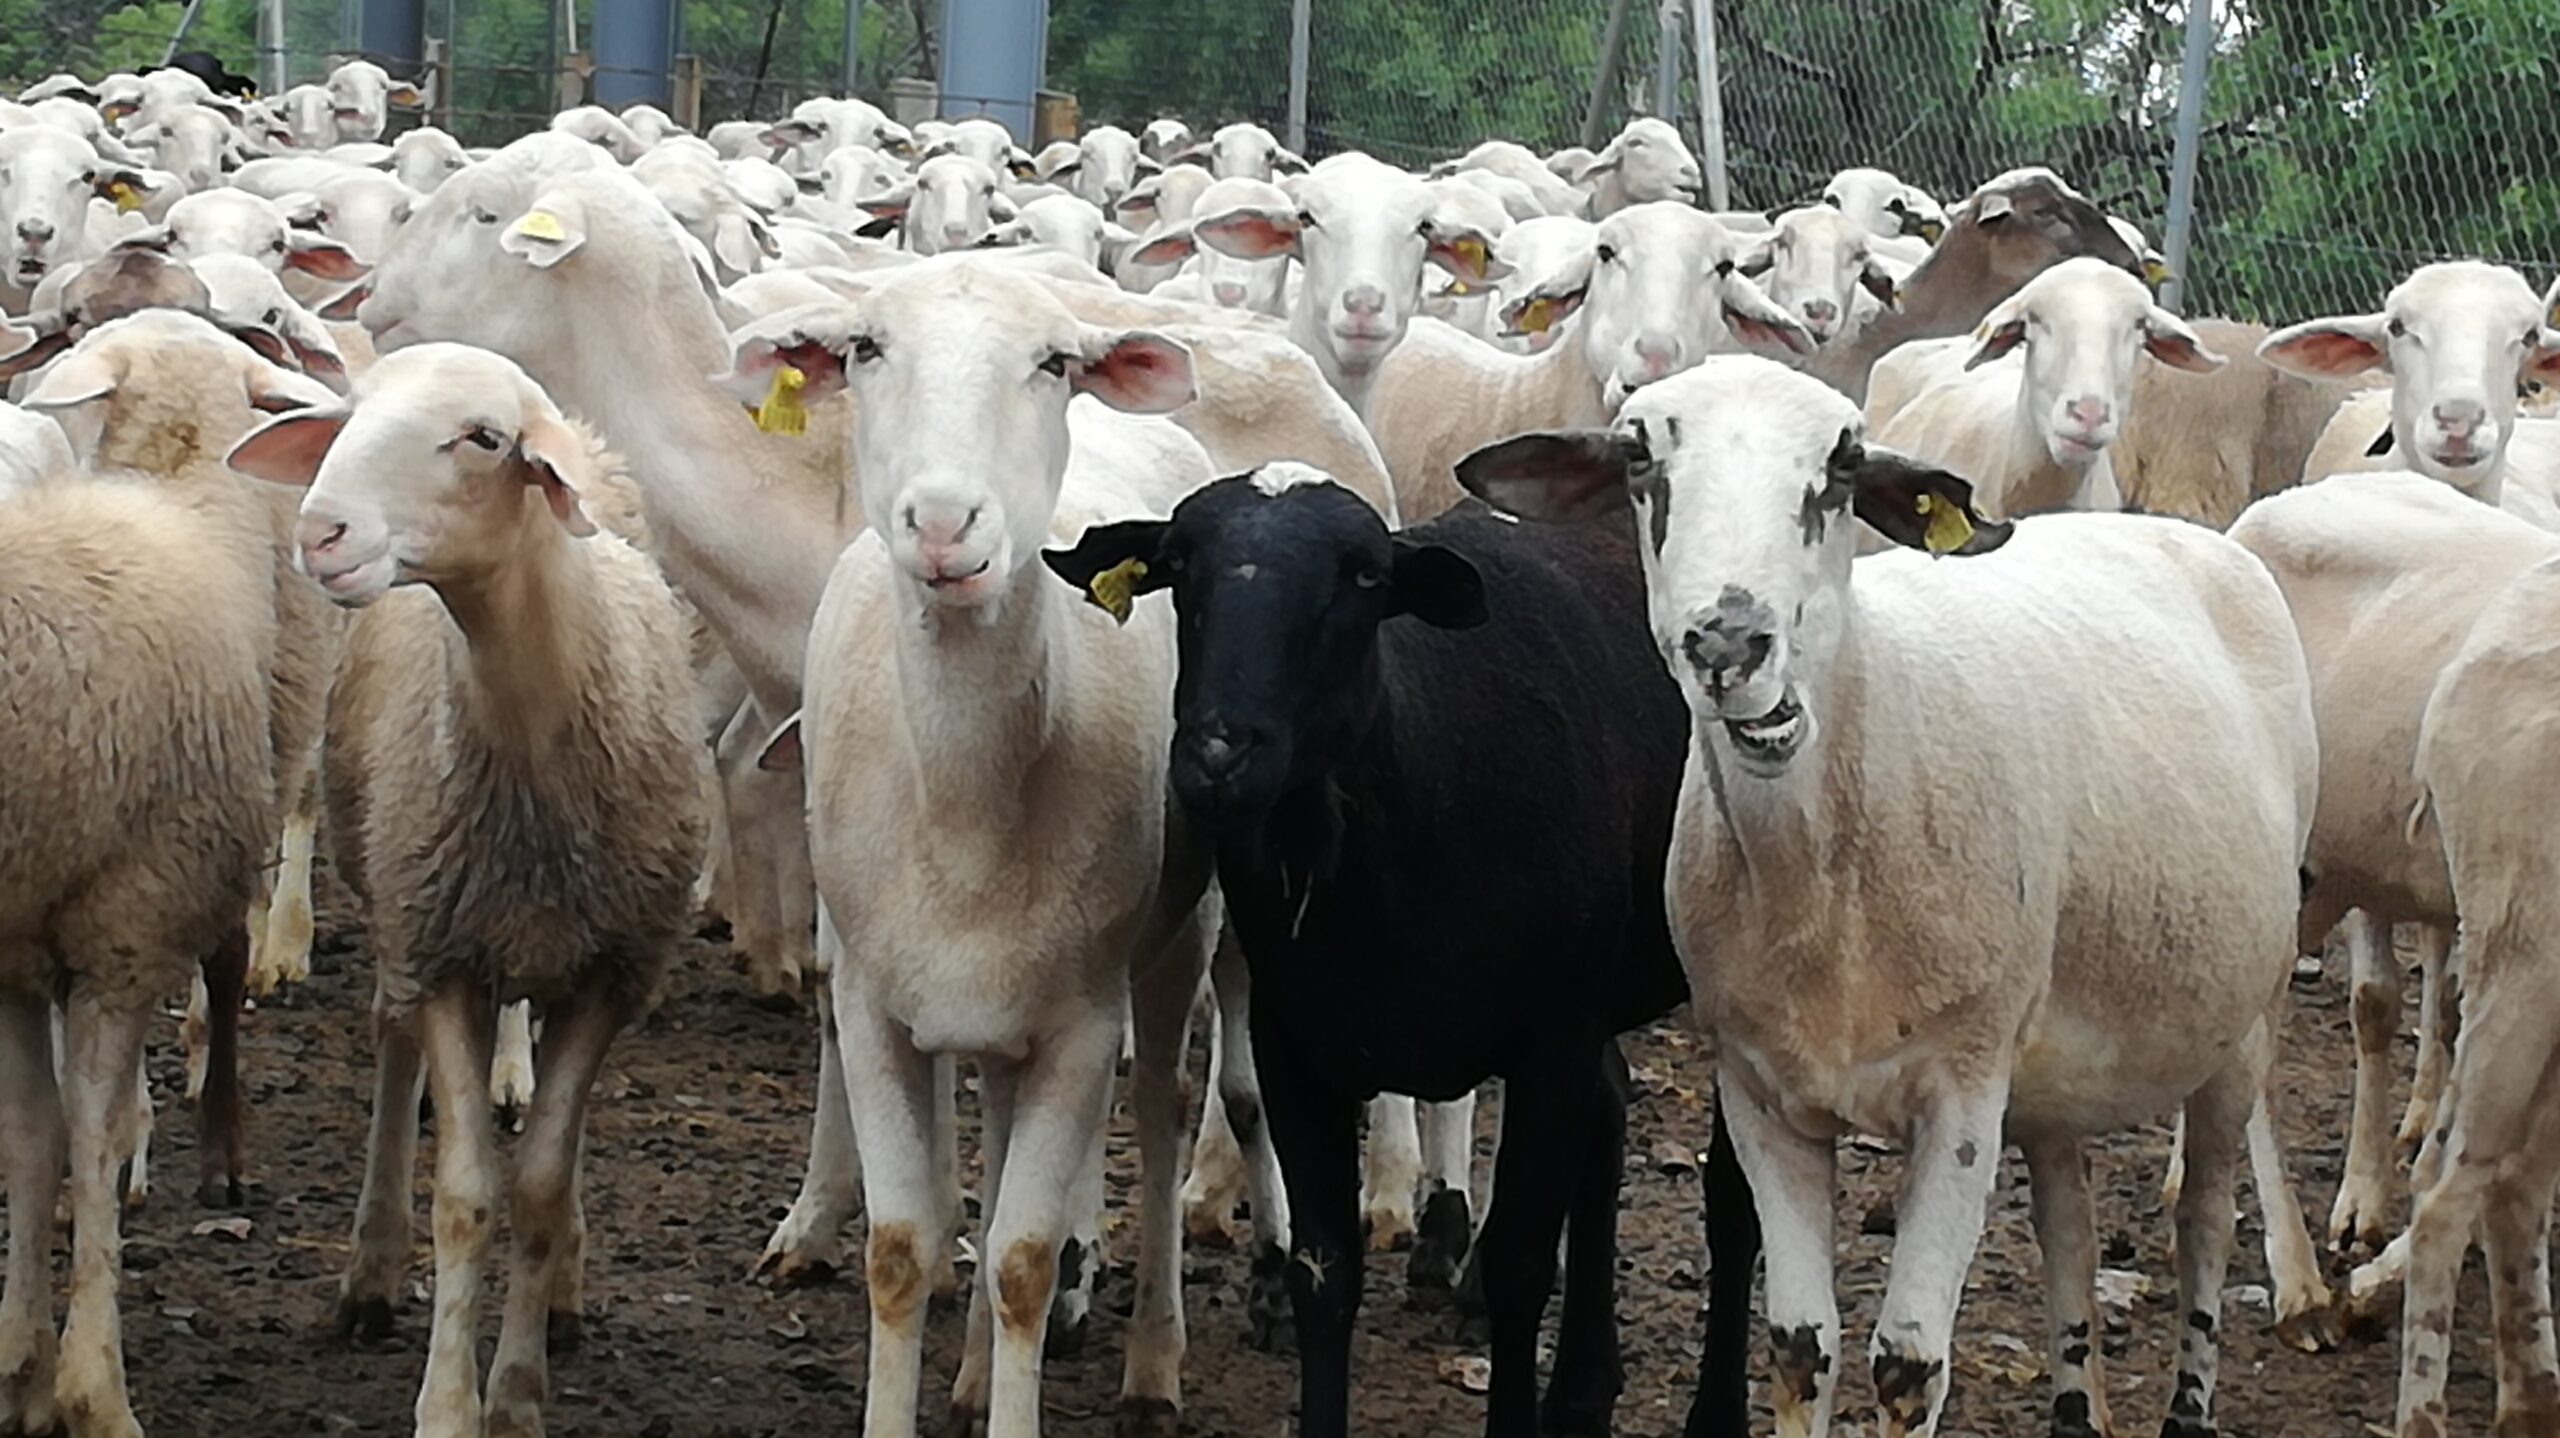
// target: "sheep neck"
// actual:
[[2039, 483], [1357, 387], [976, 691], [1797, 823], [534, 626]]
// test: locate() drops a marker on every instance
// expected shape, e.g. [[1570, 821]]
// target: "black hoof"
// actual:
[[1580, 1409], [509, 1117], [367, 1319], [1066, 1340], [221, 1191], [1440, 1241], [1271, 1324], [1148, 1418], [2186, 1428], [564, 1330]]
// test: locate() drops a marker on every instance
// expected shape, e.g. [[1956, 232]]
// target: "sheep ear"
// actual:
[[1763, 328], [755, 373], [289, 448], [781, 752], [1463, 251], [890, 204], [40, 339], [155, 238], [544, 236], [1138, 372], [1286, 161], [406, 97], [1559, 475], [2003, 330], [319, 255], [1249, 234], [1435, 585], [342, 307], [2332, 348], [273, 389], [1917, 506], [1112, 564], [551, 451], [2173, 344], [1757, 257], [76, 381], [741, 244], [1164, 249], [1879, 282], [1547, 306]]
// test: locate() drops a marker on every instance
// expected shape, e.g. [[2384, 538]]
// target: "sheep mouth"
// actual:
[[1773, 738], [948, 581], [29, 268]]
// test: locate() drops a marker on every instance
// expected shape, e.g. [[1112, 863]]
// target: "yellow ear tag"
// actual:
[[782, 412], [2155, 271], [1537, 316], [1460, 289], [1949, 530], [1930, 230], [126, 200], [541, 225], [1470, 253], [1113, 591]]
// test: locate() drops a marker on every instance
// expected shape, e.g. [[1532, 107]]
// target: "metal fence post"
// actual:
[[1666, 62], [1301, 28], [1613, 47], [852, 46], [271, 73], [1702, 14], [2192, 72]]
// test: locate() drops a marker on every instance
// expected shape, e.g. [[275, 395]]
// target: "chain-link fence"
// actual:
[[2342, 142]]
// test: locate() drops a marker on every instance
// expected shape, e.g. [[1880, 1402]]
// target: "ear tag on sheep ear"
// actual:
[[1460, 289], [1538, 316], [1949, 529], [541, 225], [1114, 590], [1471, 252], [781, 412], [1931, 230], [123, 194], [2156, 271]]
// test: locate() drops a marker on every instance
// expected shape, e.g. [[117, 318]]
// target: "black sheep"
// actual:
[[1442, 843]]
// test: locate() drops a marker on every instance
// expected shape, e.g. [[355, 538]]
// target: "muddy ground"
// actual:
[[697, 1144]]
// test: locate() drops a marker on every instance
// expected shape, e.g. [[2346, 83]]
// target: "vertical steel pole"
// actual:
[[852, 46], [1613, 47], [271, 73], [1301, 31], [1666, 62], [1702, 14], [2192, 72]]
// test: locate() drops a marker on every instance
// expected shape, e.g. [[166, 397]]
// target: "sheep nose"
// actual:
[[2088, 412], [1228, 295], [1219, 750], [1726, 653], [34, 232], [939, 529], [1365, 300], [2460, 417], [1821, 312], [1657, 354], [319, 536]]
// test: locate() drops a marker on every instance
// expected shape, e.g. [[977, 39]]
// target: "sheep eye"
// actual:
[[1368, 579], [1055, 365], [1606, 254], [483, 437], [272, 318], [452, 165], [2397, 329], [989, 191], [865, 349], [278, 247], [1723, 268], [484, 217], [1306, 219]]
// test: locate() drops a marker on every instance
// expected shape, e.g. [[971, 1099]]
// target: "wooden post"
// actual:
[[439, 84], [1054, 117], [688, 92], [577, 72]]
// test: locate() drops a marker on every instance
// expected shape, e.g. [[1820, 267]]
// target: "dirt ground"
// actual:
[[697, 1144]]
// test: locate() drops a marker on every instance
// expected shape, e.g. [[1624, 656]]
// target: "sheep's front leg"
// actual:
[[105, 1045], [455, 1029], [2439, 1024], [1061, 1097], [1237, 1111], [1723, 1401], [2066, 1231], [2357, 1219], [1946, 1188], [281, 953], [2306, 1314], [219, 1144], [1589, 1372], [809, 1245], [511, 1071], [2516, 1233], [369, 1291], [889, 1085], [1447, 1224], [545, 1224], [1079, 1259], [1161, 998], [32, 1155], [1791, 1186], [1316, 1130], [2218, 1118], [1391, 1172]]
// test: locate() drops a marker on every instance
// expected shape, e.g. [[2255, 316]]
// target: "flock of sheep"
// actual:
[[620, 521]]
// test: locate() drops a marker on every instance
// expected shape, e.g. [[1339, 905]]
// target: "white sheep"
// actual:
[[651, 124], [362, 94], [941, 635], [131, 851], [695, 190], [1163, 140], [985, 141], [359, 209], [1449, 299], [530, 702], [1822, 266], [951, 205], [1165, 204], [1521, 165], [47, 180], [855, 175], [1364, 230], [1245, 151], [1108, 164], [1884, 205], [1657, 291], [191, 144], [308, 116], [2033, 434], [426, 157], [1648, 161], [1537, 253], [602, 128], [1255, 286], [230, 222], [1067, 224], [820, 126], [1937, 884]]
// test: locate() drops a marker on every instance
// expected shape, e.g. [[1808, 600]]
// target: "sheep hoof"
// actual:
[[221, 1190], [2316, 1329], [785, 1268], [1271, 1324], [1149, 1418], [564, 1330], [1439, 1243], [368, 1319], [1066, 1338], [1387, 1229]]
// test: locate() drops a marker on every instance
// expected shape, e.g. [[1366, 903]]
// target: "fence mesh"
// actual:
[[2345, 142]]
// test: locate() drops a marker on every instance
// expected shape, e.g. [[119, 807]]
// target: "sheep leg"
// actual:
[[1723, 1401], [952, 1204], [1447, 1224], [2066, 1231], [378, 1252], [1217, 1178], [2356, 1219], [769, 847], [2218, 1119], [195, 1035], [1547, 1118], [133, 1140], [1392, 1172], [567, 1323], [2306, 1315], [576, 1034], [1589, 1373], [2517, 1234], [283, 932], [219, 1143], [105, 1046], [890, 1085], [1946, 1190], [998, 1082], [1239, 1092], [1062, 1096], [808, 1247], [1161, 999], [455, 1028], [1317, 1135], [2439, 1024], [32, 1154], [511, 1073], [1792, 1179], [1079, 1258]]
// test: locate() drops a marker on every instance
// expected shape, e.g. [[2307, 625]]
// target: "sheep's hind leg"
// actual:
[[576, 1035], [1269, 1323], [1589, 1372], [1390, 1172], [2357, 1219], [2439, 1025], [2218, 1119], [219, 1142], [2066, 1231], [105, 1045], [1161, 1000], [32, 1155], [369, 1291], [1447, 1225], [808, 1247]]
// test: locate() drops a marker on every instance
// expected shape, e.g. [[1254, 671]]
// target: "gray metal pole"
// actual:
[[1702, 15], [2192, 72], [177, 37], [1666, 62], [852, 46], [271, 72], [1613, 48], [1301, 31]]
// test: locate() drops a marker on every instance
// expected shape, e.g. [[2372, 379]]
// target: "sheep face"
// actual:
[[424, 159], [1246, 152], [1662, 290], [466, 267], [152, 388], [1281, 577], [2085, 325], [430, 475], [1741, 476], [309, 116], [1812, 264], [247, 299], [859, 176], [232, 222], [700, 199], [1364, 231], [1164, 140], [1107, 166], [361, 95], [951, 206], [1881, 204], [189, 144], [2459, 340], [818, 128], [986, 142], [1062, 222], [963, 374], [47, 179], [1651, 162], [361, 210]]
